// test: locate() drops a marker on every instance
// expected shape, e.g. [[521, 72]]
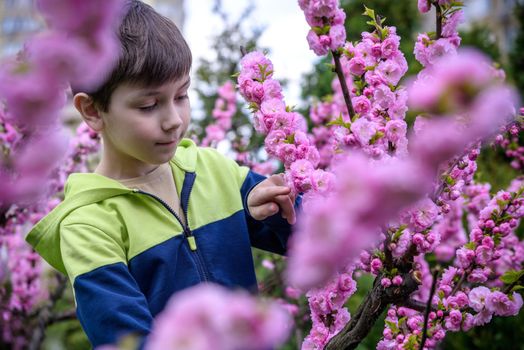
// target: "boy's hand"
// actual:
[[269, 196]]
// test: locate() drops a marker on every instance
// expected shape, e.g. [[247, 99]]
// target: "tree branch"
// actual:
[[375, 302]]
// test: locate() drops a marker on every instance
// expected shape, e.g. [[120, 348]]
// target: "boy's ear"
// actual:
[[85, 105]]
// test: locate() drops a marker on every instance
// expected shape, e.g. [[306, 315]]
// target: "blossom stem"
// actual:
[[343, 85], [438, 20], [428, 309]]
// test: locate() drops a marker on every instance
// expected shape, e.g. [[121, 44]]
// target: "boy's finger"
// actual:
[[266, 194], [286, 206], [263, 211], [278, 179]]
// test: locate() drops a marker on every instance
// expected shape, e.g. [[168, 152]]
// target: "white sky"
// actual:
[[285, 34]]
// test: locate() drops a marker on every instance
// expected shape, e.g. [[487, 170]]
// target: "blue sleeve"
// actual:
[[271, 234], [110, 305]]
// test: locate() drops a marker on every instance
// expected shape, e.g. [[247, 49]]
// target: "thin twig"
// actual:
[[428, 309], [343, 85], [439, 20], [243, 51]]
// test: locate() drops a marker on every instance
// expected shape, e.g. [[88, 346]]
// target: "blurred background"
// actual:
[[216, 29]]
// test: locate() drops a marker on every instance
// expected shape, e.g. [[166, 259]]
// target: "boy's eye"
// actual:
[[148, 108], [182, 97]]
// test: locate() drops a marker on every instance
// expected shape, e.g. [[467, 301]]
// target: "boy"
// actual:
[[147, 222]]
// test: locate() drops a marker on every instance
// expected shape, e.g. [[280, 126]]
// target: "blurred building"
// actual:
[[18, 20]]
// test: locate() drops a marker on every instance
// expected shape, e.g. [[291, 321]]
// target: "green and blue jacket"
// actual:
[[126, 252]]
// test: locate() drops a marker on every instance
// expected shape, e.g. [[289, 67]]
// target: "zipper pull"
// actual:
[[192, 243]]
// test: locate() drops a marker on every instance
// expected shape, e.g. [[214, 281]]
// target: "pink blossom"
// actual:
[[501, 305], [465, 257], [395, 129], [424, 6], [80, 17], [254, 63], [391, 71], [439, 49], [451, 23], [384, 97], [315, 44], [390, 46], [362, 104], [337, 33], [208, 316], [357, 66], [363, 130], [423, 214], [477, 298]]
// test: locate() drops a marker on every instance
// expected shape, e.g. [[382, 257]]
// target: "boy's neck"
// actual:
[[120, 168]]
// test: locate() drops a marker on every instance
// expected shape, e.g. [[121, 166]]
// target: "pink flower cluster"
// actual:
[[225, 108], [20, 267], [375, 65], [328, 314], [210, 317], [511, 143], [429, 48], [457, 122], [336, 229], [326, 20], [456, 305], [82, 46], [286, 137], [21, 287]]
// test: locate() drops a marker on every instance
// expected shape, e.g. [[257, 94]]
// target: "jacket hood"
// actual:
[[82, 189]]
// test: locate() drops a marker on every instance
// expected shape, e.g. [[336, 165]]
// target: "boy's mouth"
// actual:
[[168, 143]]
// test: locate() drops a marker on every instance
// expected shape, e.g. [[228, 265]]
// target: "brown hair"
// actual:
[[153, 52]]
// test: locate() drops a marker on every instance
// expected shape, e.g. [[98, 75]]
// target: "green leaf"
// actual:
[[236, 75], [290, 139], [340, 122], [321, 30], [449, 180], [384, 31], [470, 245], [331, 66], [370, 13], [393, 326], [512, 276], [515, 288], [378, 135]]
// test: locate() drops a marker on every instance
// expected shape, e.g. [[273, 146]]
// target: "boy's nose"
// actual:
[[172, 119]]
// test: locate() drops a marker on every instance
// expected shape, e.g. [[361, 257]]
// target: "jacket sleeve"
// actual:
[[271, 234], [108, 299]]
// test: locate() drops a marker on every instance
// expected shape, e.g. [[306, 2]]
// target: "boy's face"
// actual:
[[143, 125]]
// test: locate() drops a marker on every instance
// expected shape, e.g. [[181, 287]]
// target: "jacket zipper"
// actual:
[[187, 233]]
